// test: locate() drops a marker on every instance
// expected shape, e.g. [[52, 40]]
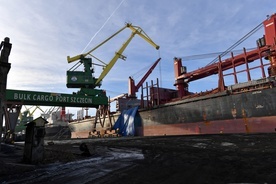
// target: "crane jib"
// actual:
[[89, 81]]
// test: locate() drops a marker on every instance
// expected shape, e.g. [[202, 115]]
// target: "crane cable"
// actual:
[[141, 72], [210, 55], [237, 43], [160, 69]]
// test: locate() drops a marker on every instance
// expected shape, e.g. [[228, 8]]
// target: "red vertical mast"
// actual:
[[270, 39]]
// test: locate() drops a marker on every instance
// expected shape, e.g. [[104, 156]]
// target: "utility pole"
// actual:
[[4, 70]]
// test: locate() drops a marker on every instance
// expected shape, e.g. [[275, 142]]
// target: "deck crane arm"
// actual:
[[268, 48], [134, 88]]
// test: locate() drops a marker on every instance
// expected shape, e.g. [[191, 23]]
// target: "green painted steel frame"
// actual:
[[56, 99]]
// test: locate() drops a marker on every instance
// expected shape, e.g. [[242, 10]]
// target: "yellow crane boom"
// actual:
[[135, 30]]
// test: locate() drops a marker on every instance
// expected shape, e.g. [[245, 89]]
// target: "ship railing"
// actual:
[[152, 96]]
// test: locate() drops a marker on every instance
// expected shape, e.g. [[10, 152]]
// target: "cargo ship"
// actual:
[[57, 126], [243, 107]]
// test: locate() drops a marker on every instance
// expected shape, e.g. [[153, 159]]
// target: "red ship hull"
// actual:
[[247, 125]]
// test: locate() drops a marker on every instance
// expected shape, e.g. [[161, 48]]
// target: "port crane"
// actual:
[[266, 48], [88, 96], [85, 79], [27, 115]]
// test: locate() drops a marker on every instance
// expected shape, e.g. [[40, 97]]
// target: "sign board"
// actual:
[[54, 99]]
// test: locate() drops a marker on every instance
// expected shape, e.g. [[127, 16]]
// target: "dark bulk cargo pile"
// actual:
[[241, 158]]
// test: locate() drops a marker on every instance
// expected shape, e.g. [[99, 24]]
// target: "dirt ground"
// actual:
[[242, 158]]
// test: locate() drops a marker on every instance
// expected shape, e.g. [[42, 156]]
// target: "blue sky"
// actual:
[[44, 33]]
